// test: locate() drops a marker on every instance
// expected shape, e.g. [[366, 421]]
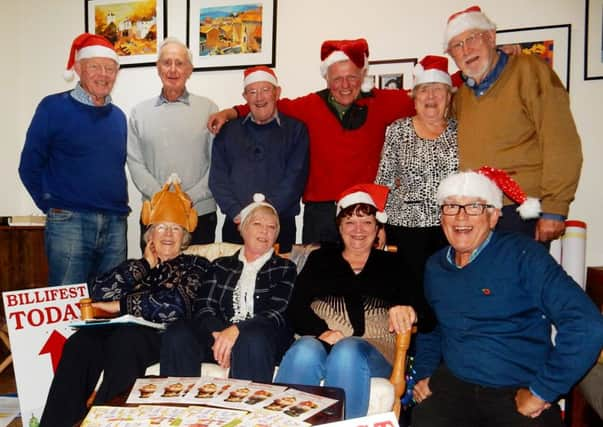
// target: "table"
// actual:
[[22, 258], [329, 415]]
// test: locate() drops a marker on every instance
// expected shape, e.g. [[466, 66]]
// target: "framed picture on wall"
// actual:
[[593, 40], [135, 27], [392, 73], [231, 34], [552, 43]]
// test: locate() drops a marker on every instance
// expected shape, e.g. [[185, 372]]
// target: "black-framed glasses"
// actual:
[[471, 209]]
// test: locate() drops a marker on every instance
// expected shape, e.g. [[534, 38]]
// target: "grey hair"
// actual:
[[413, 92], [186, 237], [176, 41], [264, 208]]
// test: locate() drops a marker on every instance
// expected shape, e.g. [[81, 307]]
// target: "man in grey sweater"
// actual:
[[167, 134]]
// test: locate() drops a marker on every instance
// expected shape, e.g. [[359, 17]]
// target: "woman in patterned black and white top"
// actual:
[[418, 153]]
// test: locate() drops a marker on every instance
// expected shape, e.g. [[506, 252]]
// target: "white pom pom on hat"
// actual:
[[258, 200]]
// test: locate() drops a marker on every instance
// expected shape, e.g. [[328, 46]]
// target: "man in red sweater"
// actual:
[[346, 123]]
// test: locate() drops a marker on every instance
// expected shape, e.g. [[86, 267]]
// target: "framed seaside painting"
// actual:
[[231, 34], [135, 27]]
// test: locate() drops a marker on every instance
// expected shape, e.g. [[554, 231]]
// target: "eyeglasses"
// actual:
[[471, 41], [263, 90], [110, 70], [471, 209], [174, 228]]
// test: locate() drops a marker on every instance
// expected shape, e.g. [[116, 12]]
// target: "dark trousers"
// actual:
[[319, 222], [461, 404], [258, 349], [203, 234], [286, 237], [122, 353]]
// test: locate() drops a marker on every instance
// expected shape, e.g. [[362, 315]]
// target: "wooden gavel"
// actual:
[[88, 311]]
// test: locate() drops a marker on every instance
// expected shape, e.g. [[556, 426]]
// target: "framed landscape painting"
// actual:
[[135, 27], [231, 34]]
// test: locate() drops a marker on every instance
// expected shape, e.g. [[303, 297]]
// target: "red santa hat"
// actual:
[[260, 73], [369, 194], [258, 200], [88, 45], [468, 19], [432, 69], [488, 184], [333, 51]]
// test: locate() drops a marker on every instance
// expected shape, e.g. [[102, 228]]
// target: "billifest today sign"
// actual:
[[38, 326]]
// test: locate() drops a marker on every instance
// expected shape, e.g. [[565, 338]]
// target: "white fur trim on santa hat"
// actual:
[[530, 208], [335, 56], [359, 197], [430, 76], [467, 21], [258, 200], [470, 184], [96, 51], [367, 84], [260, 76]]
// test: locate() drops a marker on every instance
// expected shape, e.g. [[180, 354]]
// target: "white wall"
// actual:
[[36, 40]]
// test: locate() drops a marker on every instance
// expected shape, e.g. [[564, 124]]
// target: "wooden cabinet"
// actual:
[[23, 261]]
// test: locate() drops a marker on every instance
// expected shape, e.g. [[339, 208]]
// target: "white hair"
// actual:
[[176, 41]]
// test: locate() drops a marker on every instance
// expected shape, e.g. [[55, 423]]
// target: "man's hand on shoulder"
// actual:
[[528, 404], [217, 120], [549, 229]]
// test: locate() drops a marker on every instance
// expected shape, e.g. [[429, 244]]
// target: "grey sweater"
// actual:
[[167, 137]]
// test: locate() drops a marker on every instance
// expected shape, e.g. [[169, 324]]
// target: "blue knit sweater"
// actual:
[[495, 317], [74, 156]]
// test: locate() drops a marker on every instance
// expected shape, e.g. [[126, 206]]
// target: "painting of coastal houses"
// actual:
[[230, 30], [130, 25]]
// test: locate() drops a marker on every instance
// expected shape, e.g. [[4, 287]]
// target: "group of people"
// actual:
[[370, 165]]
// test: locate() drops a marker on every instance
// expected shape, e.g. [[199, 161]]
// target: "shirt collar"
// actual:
[[258, 263], [480, 88], [450, 253], [276, 118], [79, 94], [184, 98]]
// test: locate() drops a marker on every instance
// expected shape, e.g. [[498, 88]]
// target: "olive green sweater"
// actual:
[[523, 125]]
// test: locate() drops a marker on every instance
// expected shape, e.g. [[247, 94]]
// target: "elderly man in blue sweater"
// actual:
[[491, 361], [73, 165], [265, 152]]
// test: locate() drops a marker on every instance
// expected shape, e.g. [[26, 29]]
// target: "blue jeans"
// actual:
[[349, 365], [82, 245]]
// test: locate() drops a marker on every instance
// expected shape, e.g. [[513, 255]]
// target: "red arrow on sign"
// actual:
[[54, 346]]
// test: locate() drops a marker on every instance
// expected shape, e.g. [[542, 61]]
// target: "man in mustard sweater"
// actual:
[[513, 114]]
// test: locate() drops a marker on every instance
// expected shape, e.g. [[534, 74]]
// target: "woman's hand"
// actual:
[[401, 318], [150, 254], [224, 341], [111, 307], [421, 391], [331, 337]]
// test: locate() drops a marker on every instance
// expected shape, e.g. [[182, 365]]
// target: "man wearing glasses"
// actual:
[[490, 361], [264, 152], [73, 165], [513, 113]]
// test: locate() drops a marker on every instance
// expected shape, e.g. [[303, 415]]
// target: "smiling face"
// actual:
[[167, 238], [259, 231], [474, 52], [466, 233], [431, 100], [358, 231], [97, 77], [174, 69], [261, 98], [344, 80]]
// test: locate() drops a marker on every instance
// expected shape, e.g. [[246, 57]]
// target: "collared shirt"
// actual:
[[245, 290], [341, 109], [481, 88], [451, 253], [79, 94], [184, 98], [275, 117]]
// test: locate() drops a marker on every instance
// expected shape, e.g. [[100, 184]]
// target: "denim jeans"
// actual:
[[82, 245], [349, 365]]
